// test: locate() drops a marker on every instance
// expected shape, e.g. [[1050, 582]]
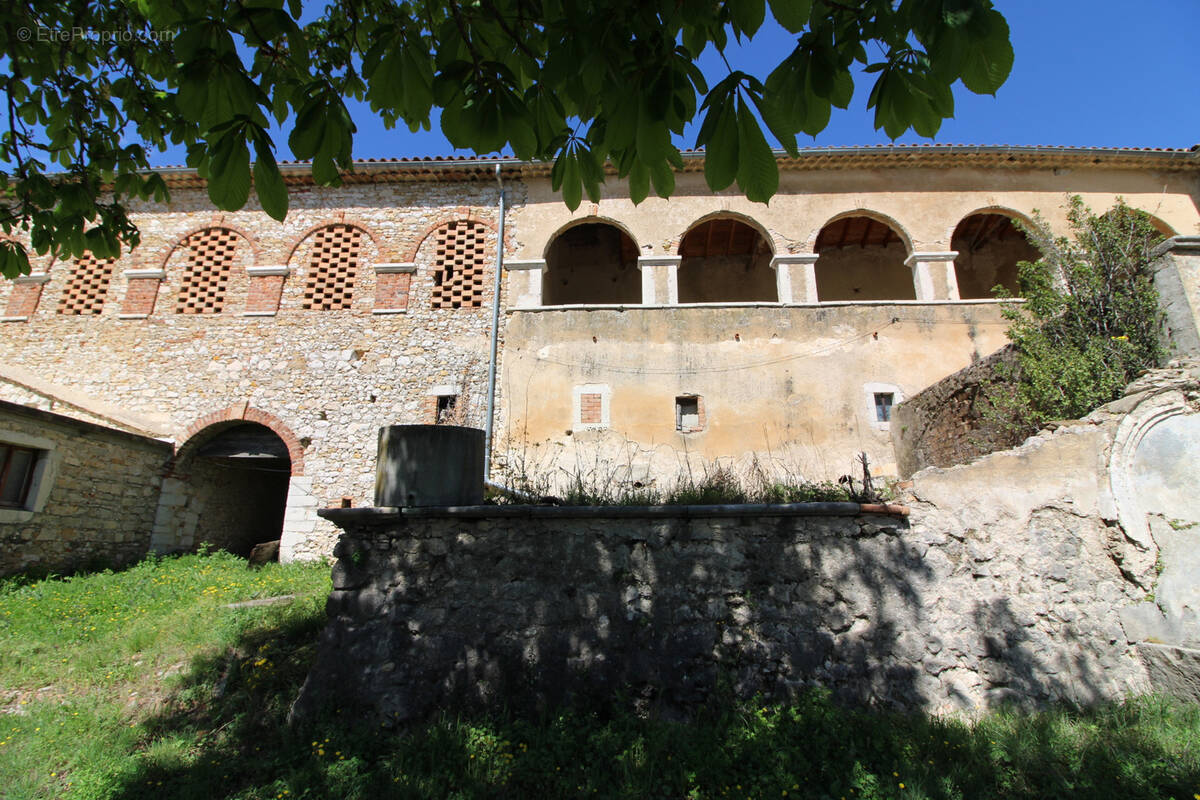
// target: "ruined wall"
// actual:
[[93, 495], [945, 424]]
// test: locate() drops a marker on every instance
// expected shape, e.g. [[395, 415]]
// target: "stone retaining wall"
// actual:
[[520, 607]]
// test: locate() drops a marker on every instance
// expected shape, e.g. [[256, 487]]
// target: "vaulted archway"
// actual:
[[593, 263]]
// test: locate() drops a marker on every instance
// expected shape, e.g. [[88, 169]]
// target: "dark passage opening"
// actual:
[[240, 484]]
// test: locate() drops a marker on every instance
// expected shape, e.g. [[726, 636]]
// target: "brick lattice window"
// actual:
[[459, 270], [332, 267], [212, 254], [87, 287], [590, 408]]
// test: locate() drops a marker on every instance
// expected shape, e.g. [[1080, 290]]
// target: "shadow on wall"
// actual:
[[531, 608]]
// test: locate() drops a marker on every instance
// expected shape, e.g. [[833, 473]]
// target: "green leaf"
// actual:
[[639, 182], [792, 14], [268, 183], [229, 171], [758, 173], [747, 15], [721, 151], [989, 60], [663, 178], [571, 189], [14, 260]]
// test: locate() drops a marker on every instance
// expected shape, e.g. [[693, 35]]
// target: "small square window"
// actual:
[[883, 406], [16, 475], [689, 416], [447, 405]]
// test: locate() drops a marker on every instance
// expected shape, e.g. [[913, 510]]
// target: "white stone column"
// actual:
[[660, 280], [796, 277], [933, 275], [525, 282]]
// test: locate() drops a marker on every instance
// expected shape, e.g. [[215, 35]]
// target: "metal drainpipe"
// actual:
[[491, 391]]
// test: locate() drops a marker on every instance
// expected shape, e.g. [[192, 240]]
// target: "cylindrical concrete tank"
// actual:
[[429, 465]]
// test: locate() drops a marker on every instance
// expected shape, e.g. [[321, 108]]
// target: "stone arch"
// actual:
[[989, 247], [460, 275], [592, 261], [726, 257], [861, 256], [592, 219], [1163, 228], [251, 240], [776, 242], [878, 216]]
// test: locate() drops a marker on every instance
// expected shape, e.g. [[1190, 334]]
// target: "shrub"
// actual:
[[1090, 320]]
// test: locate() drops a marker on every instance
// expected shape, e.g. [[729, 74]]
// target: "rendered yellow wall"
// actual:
[[789, 385]]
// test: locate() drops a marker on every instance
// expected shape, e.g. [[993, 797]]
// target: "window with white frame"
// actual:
[[880, 399]]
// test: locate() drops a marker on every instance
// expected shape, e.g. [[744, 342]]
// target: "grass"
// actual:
[[607, 484], [143, 684]]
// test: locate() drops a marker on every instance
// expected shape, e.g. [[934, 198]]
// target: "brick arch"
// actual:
[[777, 242], [460, 215], [255, 249], [591, 219], [900, 230], [213, 423], [349, 223]]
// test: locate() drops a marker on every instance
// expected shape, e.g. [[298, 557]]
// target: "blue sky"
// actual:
[[1102, 73]]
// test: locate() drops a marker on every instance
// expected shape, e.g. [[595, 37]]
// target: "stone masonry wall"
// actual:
[[528, 606], [944, 425], [332, 377], [94, 500]]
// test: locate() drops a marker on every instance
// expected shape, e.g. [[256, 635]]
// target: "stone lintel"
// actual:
[[34, 278], [391, 268], [521, 264], [266, 271], [946, 255]]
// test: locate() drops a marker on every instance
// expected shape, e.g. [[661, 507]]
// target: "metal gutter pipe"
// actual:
[[495, 337]]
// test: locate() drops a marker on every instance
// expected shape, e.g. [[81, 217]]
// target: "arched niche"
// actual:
[[593, 263], [861, 257], [725, 260], [989, 247]]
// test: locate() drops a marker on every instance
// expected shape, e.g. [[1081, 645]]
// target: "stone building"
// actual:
[[634, 340]]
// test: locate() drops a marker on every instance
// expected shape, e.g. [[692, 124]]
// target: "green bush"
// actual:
[[1090, 320]]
